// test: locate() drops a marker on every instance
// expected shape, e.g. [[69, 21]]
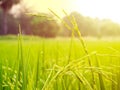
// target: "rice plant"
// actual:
[[59, 64]]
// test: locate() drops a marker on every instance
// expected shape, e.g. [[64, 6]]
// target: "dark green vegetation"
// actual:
[[57, 64]]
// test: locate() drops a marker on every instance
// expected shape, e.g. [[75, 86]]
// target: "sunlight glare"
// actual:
[[93, 8], [99, 8]]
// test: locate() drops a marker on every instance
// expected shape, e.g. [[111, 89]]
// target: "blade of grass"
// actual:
[[48, 79], [37, 71], [21, 66], [17, 63], [102, 86], [1, 79]]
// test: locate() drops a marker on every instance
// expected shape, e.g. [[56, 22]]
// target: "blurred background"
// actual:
[[95, 18]]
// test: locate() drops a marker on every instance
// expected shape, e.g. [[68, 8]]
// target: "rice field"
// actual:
[[33, 63]]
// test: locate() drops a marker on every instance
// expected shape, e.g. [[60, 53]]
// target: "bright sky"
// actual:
[[93, 8]]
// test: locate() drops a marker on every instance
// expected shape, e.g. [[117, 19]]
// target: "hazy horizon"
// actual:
[[102, 9]]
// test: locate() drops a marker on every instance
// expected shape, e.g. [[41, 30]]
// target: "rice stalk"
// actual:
[[48, 79], [75, 28]]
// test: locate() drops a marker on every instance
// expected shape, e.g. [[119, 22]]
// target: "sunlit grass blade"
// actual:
[[48, 79], [68, 27], [1, 79], [57, 52], [83, 80], [21, 62], [101, 82], [118, 80], [37, 71]]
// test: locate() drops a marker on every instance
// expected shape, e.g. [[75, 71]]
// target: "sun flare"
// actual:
[[93, 8], [99, 8]]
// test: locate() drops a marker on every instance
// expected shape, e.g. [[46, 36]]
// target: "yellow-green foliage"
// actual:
[[45, 64]]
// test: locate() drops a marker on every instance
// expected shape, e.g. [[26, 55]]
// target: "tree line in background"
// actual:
[[5, 6], [93, 26], [45, 25]]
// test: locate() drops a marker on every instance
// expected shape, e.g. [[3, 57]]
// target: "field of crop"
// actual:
[[33, 63]]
